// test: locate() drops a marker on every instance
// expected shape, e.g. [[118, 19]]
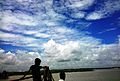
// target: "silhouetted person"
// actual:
[[4, 75], [0, 75], [47, 75], [62, 76], [36, 70]]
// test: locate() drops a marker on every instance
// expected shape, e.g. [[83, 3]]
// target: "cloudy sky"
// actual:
[[63, 33]]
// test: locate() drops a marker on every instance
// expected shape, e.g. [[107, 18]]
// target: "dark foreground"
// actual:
[[97, 75]]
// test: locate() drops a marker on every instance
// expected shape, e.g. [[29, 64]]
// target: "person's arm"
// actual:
[[22, 78], [26, 74]]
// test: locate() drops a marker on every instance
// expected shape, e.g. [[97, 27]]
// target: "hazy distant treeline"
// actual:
[[65, 70]]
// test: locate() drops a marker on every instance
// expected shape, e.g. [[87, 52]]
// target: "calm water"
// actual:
[[98, 75]]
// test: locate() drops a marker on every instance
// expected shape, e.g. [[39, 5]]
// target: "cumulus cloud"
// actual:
[[81, 53], [21, 60], [71, 54]]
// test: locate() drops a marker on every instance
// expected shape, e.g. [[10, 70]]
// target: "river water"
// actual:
[[97, 75]]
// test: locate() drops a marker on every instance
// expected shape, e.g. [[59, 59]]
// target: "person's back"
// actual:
[[62, 76], [36, 73]]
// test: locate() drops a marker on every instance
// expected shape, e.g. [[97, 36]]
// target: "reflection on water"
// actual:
[[98, 75]]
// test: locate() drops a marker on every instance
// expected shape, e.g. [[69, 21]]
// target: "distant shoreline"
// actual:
[[81, 69], [66, 70]]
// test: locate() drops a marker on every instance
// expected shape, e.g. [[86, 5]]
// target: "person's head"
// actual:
[[62, 75], [37, 61]]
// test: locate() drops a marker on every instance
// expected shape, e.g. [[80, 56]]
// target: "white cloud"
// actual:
[[16, 40], [2, 51], [104, 10], [8, 58], [80, 4], [79, 51], [9, 18], [20, 60], [78, 15], [57, 33], [30, 32], [75, 8], [37, 26], [111, 29], [37, 35], [72, 8], [23, 1], [71, 54], [42, 35], [94, 16]]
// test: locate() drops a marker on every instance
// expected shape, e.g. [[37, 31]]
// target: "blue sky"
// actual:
[[79, 33]]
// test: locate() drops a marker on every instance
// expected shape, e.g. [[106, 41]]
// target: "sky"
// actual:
[[64, 34]]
